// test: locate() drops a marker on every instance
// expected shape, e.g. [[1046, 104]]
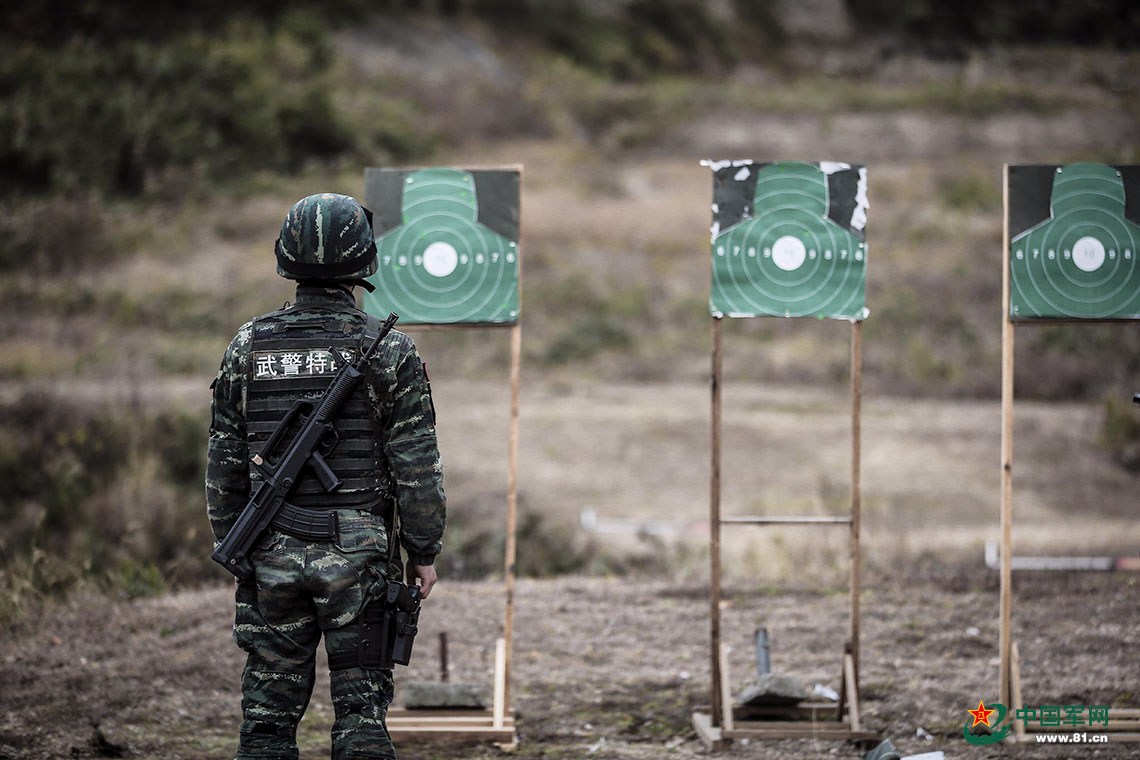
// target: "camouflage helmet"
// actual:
[[326, 237]]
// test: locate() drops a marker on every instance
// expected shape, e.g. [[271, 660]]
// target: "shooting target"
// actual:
[[788, 240], [1076, 257], [447, 244]]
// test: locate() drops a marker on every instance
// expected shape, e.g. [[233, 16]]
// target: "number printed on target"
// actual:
[[1073, 246], [789, 239], [447, 243]]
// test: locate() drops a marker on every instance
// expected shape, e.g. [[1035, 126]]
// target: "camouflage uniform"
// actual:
[[302, 588]]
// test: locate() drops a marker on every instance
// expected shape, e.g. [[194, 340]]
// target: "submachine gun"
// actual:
[[315, 439]]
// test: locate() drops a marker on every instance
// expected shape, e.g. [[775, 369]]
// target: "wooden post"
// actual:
[[856, 479], [852, 691], [512, 504], [513, 473], [1006, 453], [841, 703], [728, 722], [499, 706], [1015, 690], [714, 526], [443, 656]]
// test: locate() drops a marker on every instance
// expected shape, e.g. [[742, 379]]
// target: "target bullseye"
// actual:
[[789, 253], [1088, 254], [440, 259]]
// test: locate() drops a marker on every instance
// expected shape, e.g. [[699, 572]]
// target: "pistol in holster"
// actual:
[[388, 627]]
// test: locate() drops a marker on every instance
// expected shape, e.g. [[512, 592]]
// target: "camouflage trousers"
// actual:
[[300, 590]]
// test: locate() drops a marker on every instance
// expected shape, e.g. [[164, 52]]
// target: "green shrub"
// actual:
[[178, 438], [972, 193], [133, 579], [645, 38], [589, 334], [942, 27], [53, 235], [104, 493], [123, 115], [57, 455]]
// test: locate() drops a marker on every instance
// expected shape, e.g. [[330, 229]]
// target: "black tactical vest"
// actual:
[[289, 359]]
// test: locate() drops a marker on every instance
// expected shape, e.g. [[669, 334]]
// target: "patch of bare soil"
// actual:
[[603, 668]]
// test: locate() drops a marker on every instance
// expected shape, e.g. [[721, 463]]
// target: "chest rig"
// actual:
[[290, 359]]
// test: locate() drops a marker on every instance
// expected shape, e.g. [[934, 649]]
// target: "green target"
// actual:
[[447, 245], [1076, 257], [788, 240]]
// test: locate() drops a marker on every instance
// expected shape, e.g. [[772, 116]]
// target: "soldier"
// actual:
[[386, 456]]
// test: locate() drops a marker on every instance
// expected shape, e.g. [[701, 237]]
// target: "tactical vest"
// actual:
[[290, 359]]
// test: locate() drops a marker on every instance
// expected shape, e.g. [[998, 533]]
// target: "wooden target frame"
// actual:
[[809, 720], [1124, 723], [497, 724]]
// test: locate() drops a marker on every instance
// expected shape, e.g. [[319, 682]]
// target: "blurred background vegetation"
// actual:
[[148, 151]]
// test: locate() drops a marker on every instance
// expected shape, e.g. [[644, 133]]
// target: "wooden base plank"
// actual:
[[454, 712], [779, 722], [708, 734], [460, 726], [1123, 713], [745, 731], [1123, 722], [445, 722], [794, 725], [470, 734], [715, 738]]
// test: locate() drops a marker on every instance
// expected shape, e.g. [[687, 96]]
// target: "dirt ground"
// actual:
[[603, 668]]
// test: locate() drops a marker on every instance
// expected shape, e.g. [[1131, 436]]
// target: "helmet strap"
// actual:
[[347, 284], [365, 284]]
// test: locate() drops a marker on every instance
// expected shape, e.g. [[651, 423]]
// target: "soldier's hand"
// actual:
[[426, 575]]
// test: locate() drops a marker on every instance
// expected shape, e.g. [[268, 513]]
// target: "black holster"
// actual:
[[387, 627]]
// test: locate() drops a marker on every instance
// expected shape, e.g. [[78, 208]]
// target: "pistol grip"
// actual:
[[329, 479]]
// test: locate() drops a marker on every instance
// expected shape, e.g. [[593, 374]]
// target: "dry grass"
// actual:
[[930, 471]]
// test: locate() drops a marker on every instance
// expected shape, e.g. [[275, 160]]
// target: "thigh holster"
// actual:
[[385, 631]]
